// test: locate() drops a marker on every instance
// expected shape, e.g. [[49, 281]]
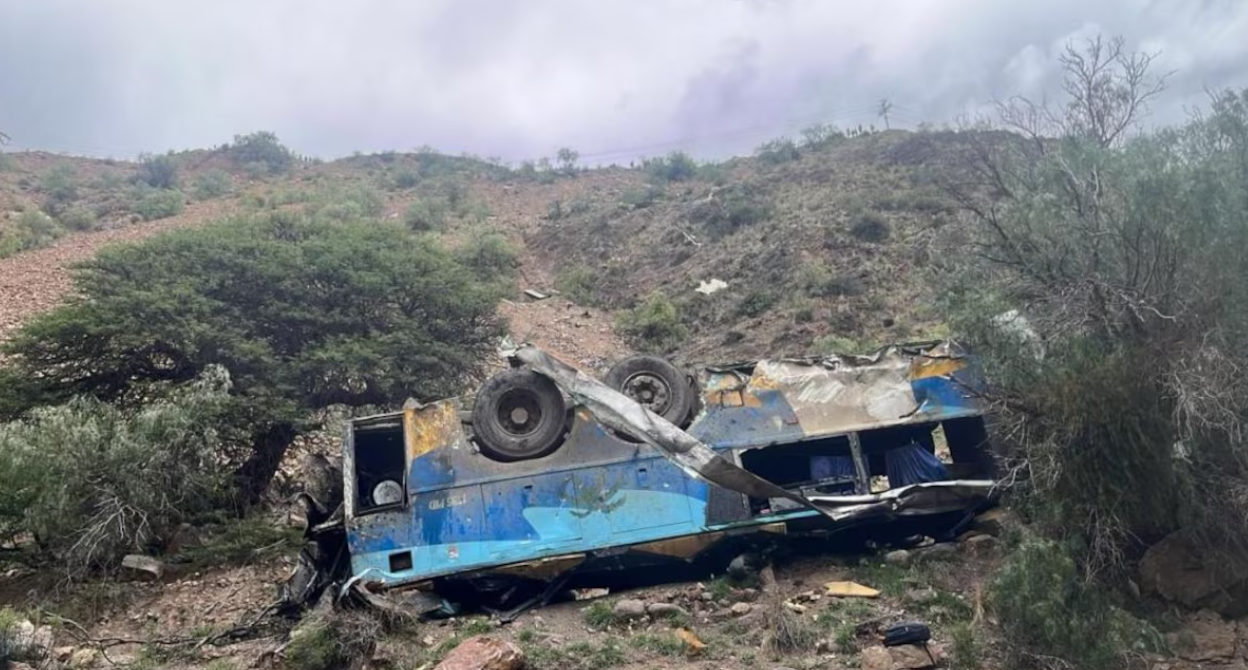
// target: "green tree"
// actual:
[[1125, 253], [567, 160], [304, 314], [262, 149], [158, 171]]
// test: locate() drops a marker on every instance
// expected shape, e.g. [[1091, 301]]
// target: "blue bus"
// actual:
[[548, 476]]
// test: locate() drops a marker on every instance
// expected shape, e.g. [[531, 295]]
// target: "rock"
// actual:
[[62, 654], [921, 596], [937, 552], [719, 616], [666, 610], [14, 665], [1208, 638], [992, 522], [144, 564], [741, 609], [1178, 571], [981, 545], [629, 609], [84, 658], [876, 658], [483, 653], [913, 657], [29, 642], [898, 557]]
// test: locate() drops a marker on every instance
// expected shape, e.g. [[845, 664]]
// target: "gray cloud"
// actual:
[[612, 78]]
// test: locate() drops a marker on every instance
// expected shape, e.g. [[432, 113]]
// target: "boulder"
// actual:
[[980, 544], [741, 609], [876, 658], [937, 552], [913, 656], [137, 563], [1206, 637], [898, 557], [629, 609], [992, 522], [666, 611], [483, 653], [1176, 570], [29, 642]]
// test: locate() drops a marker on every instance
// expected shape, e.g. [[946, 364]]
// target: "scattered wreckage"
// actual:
[[550, 480]]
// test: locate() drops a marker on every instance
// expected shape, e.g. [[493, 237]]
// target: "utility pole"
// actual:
[[885, 108]]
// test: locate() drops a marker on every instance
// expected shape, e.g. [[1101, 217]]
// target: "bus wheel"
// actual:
[[657, 385], [518, 415]]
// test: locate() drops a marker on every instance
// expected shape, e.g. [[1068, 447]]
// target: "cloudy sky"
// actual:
[[518, 79]]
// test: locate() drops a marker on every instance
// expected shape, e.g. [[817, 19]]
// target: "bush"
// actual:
[[60, 186], [1044, 607], [676, 166], [158, 171], [159, 204], [871, 227], [425, 215], [212, 184], [579, 284], [641, 198], [31, 230], [778, 151], [821, 134], [817, 279], [78, 219], [731, 209], [261, 152], [654, 326], [491, 256], [91, 482], [406, 179], [275, 299], [757, 302]]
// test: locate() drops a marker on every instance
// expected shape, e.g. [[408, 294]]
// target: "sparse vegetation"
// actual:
[[778, 151], [579, 284], [212, 184], [31, 230], [425, 215], [153, 204], [730, 209], [674, 167], [871, 227], [261, 153], [158, 171], [654, 325]]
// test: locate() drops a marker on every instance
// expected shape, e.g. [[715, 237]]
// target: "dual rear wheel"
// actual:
[[520, 414]]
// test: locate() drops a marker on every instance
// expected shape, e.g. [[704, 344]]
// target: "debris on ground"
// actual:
[[850, 590], [483, 653], [693, 645]]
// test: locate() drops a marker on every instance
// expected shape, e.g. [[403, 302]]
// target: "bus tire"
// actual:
[[656, 384], [518, 415]]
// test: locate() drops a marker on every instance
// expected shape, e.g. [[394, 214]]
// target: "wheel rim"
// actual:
[[519, 413], [650, 391]]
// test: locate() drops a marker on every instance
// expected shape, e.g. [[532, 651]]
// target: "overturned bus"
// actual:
[[549, 479]]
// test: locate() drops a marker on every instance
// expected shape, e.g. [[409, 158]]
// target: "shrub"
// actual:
[[78, 219], [1045, 608], [275, 299], [491, 256], [817, 279], [425, 215], [654, 325], [871, 227], [566, 159], [37, 229], [757, 302], [60, 186], [731, 209], [212, 184], [838, 345], [820, 134], [778, 151], [71, 473], [159, 204], [579, 284], [158, 171], [676, 166], [261, 152], [641, 198], [406, 179], [323, 645]]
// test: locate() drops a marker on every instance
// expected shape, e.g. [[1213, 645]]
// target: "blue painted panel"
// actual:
[[771, 422], [507, 502]]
